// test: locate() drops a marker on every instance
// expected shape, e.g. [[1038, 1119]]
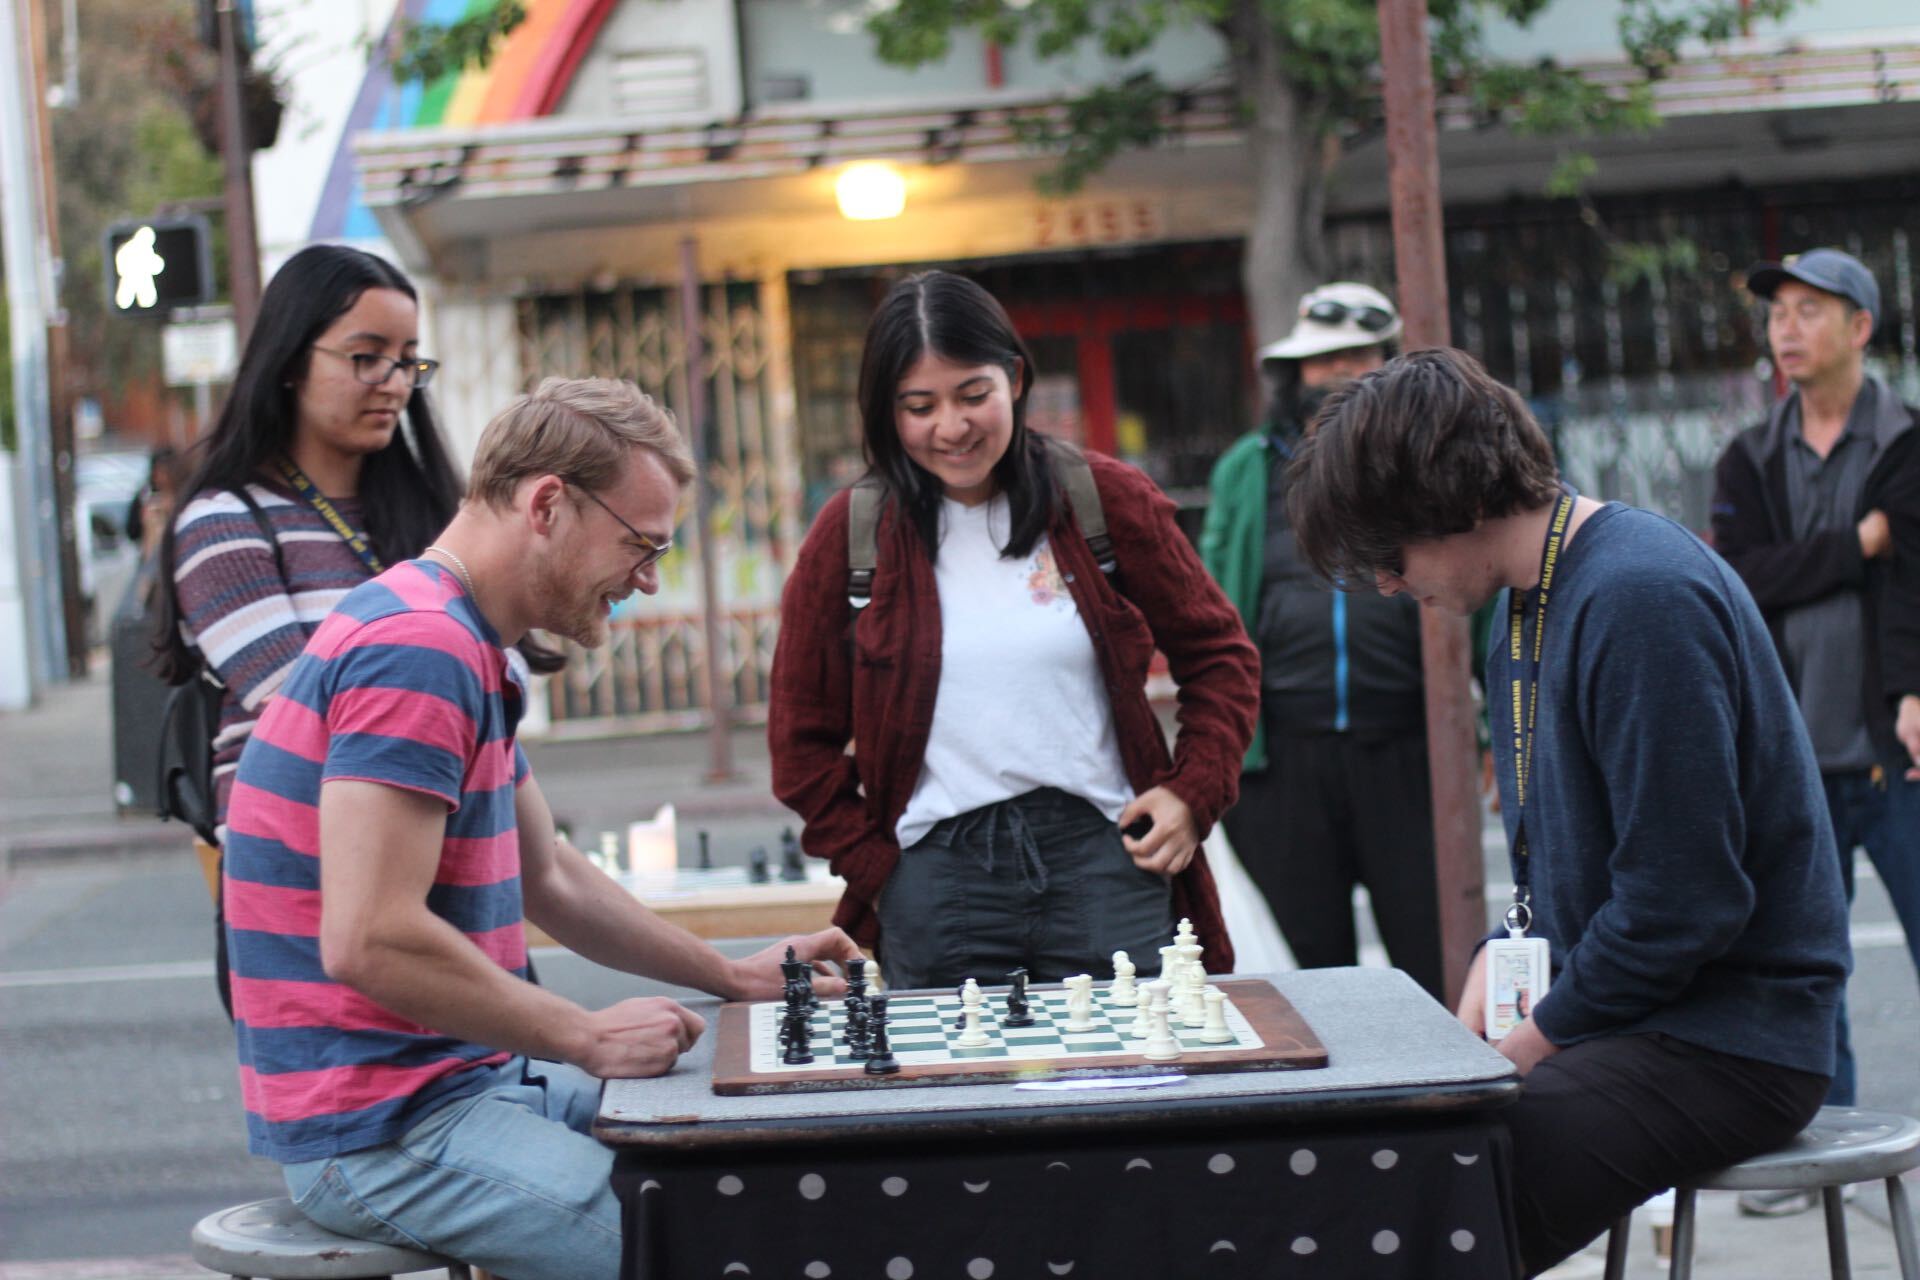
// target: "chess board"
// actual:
[[924, 1028]]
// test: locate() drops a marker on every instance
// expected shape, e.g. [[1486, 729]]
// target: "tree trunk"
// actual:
[[1286, 252]]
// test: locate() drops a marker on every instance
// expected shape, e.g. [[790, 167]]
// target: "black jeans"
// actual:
[[1333, 810], [1606, 1123], [1040, 881]]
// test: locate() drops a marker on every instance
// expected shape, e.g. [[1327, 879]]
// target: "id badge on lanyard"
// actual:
[[1519, 967]]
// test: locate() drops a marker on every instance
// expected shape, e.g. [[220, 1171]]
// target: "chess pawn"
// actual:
[[1143, 1015], [1217, 1031], [1160, 1046]]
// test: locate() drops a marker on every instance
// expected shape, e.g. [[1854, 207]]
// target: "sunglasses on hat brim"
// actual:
[[1371, 319]]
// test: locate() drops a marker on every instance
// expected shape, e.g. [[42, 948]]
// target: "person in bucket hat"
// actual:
[[1334, 789]]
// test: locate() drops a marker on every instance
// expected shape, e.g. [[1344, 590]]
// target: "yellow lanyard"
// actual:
[[318, 501], [1526, 697]]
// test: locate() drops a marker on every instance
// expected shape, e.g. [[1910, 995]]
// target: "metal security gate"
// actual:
[[652, 673], [1642, 384]]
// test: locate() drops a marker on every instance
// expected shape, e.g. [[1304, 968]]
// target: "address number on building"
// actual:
[[1096, 222]]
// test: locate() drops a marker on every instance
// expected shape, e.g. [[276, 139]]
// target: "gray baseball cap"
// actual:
[[1831, 270]]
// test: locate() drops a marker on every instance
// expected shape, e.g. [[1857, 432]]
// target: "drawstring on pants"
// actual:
[[1026, 850]]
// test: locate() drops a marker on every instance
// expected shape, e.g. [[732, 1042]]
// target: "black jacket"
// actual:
[[1754, 532]]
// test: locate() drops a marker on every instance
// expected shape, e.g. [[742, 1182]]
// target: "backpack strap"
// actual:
[[863, 522], [1076, 477]]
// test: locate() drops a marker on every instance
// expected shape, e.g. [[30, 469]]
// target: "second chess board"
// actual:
[[925, 1028]]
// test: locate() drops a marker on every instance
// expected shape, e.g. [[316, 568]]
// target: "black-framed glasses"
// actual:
[[374, 369], [654, 550], [1328, 311]]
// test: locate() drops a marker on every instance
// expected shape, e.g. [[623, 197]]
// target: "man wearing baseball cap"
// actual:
[[1335, 789], [1818, 509]]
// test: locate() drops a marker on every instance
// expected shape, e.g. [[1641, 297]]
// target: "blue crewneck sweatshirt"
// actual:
[[1682, 862]]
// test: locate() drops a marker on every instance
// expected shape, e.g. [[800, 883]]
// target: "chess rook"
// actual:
[[1217, 1031]]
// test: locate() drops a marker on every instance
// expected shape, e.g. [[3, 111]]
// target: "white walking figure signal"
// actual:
[[138, 266]]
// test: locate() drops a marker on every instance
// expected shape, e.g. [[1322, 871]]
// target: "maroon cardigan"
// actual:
[[823, 697]]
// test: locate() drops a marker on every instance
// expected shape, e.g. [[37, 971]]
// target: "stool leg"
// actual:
[[1682, 1265], [1617, 1248], [1900, 1213], [1836, 1232]]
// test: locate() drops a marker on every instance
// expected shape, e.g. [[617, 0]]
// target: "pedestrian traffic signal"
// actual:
[[157, 265]]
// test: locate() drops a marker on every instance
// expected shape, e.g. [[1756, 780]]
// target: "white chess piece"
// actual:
[[1079, 1003], [1124, 991], [1217, 1031], [1185, 936], [1161, 1046], [973, 1034], [1170, 967], [1193, 1010]]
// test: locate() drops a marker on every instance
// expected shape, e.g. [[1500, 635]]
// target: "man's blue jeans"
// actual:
[[1882, 817], [507, 1179]]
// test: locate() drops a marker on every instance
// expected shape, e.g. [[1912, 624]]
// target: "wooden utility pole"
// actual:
[[73, 608], [236, 150], [719, 699], [1413, 180]]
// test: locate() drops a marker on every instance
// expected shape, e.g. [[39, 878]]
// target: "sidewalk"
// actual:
[[56, 786]]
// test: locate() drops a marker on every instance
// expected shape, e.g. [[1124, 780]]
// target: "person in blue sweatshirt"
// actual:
[[1668, 827]]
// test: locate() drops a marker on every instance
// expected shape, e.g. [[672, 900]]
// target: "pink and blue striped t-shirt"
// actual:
[[403, 684]]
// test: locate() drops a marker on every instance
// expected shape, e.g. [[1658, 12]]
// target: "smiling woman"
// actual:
[[993, 689], [307, 449]]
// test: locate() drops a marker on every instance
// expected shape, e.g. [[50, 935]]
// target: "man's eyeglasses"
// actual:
[[1327, 311], [652, 550], [374, 369]]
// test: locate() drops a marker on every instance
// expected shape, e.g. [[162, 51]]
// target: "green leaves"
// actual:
[[1107, 121], [427, 51]]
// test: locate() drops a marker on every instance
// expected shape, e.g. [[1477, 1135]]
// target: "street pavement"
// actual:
[[119, 1112]]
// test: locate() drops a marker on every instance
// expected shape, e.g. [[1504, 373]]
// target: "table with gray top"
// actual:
[[1389, 1161]]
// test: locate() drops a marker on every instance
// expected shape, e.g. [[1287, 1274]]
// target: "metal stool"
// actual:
[[1843, 1145], [272, 1240]]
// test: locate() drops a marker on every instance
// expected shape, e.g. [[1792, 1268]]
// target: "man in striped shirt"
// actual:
[[385, 840]]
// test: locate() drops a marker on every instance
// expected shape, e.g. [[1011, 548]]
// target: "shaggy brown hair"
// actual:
[[1426, 446]]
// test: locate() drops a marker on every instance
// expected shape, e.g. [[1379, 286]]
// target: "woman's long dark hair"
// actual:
[[954, 318], [408, 491]]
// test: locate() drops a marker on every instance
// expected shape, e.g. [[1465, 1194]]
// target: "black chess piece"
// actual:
[[796, 1031], [880, 1060], [757, 865], [706, 854], [857, 976], [1018, 1010], [859, 1029], [793, 864]]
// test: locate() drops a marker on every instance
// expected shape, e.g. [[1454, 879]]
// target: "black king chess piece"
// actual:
[[796, 1020], [859, 1037], [881, 1061], [1019, 1012]]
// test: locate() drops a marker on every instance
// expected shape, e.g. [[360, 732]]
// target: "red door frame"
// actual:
[[1092, 325]]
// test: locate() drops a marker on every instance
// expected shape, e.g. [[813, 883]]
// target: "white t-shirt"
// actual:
[[1021, 704]]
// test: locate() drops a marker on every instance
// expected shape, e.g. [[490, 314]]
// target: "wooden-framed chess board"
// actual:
[[1268, 1034]]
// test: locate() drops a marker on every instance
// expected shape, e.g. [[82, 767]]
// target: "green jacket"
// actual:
[[1233, 548], [1233, 541]]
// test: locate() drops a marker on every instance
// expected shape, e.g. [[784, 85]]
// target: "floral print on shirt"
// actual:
[[1044, 582]]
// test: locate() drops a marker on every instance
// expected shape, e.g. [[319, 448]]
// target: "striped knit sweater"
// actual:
[[235, 608]]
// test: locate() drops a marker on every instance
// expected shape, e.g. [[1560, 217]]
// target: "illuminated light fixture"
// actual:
[[870, 190]]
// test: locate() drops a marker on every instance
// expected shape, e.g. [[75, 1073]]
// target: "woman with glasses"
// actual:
[[326, 442], [1010, 800]]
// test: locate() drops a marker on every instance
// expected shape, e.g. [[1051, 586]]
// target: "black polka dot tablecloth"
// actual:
[[1420, 1200]]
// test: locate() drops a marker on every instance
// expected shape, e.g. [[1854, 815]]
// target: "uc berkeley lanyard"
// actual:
[[1526, 700], [318, 501]]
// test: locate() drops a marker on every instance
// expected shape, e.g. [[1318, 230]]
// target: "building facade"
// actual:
[[548, 204]]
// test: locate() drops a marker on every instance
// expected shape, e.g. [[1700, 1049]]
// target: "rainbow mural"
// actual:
[[527, 77]]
